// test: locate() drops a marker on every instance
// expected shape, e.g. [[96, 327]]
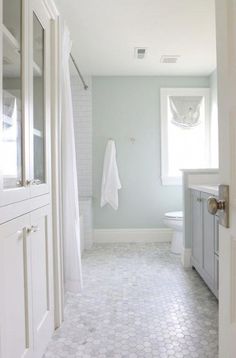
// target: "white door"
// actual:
[[42, 279], [15, 283], [226, 58], [40, 112]]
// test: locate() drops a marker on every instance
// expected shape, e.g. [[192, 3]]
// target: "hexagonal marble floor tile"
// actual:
[[137, 302]]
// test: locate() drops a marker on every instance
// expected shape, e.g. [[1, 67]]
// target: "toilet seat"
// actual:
[[174, 215]]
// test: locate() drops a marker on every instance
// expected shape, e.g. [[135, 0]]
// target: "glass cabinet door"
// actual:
[[12, 95], [12, 104], [40, 114], [24, 100], [38, 102]]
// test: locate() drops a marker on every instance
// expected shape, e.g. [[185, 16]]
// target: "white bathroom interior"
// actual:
[[141, 279], [156, 98], [157, 101], [152, 93]]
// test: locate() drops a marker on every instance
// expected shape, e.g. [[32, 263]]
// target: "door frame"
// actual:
[[55, 161], [225, 16], [221, 23]]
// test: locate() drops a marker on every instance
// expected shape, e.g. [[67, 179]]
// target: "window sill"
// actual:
[[177, 181]]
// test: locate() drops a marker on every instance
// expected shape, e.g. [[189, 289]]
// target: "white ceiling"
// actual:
[[105, 33]]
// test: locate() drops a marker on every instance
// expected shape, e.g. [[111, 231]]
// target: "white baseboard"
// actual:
[[186, 258], [132, 235]]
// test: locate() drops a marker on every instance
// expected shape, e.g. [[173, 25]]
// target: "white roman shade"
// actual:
[[185, 110]]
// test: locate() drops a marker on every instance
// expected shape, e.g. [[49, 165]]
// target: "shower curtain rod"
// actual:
[[79, 73]]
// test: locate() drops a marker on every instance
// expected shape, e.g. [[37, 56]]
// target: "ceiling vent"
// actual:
[[140, 52], [169, 58]]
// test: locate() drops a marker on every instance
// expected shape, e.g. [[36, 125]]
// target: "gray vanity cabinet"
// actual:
[[208, 228], [204, 232], [196, 224], [216, 256]]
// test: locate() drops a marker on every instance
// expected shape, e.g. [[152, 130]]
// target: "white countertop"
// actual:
[[209, 189], [200, 171]]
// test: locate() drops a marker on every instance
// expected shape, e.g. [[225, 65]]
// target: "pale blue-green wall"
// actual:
[[214, 121], [125, 107]]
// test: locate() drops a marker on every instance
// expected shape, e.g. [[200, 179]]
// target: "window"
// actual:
[[185, 131]]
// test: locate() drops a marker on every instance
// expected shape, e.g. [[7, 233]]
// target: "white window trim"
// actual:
[[164, 94]]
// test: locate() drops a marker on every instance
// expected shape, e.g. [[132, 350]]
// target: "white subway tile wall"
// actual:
[[82, 108], [86, 212]]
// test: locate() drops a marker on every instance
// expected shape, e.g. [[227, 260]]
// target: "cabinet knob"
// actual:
[[213, 205], [33, 228], [19, 233]]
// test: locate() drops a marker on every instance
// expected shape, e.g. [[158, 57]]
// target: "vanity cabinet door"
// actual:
[[26, 281], [15, 283], [197, 238], [208, 239], [216, 280], [216, 255], [216, 249], [42, 278]]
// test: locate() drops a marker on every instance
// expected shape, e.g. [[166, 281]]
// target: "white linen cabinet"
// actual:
[[26, 257]]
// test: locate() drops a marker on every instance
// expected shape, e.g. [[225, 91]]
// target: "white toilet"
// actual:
[[174, 220]]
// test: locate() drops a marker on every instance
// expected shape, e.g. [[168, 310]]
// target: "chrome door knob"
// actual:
[[213, 205]]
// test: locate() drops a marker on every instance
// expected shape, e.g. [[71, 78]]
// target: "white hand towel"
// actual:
[[110, 179]]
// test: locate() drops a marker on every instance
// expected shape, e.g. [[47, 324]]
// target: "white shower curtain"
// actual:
[[70, 199]]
